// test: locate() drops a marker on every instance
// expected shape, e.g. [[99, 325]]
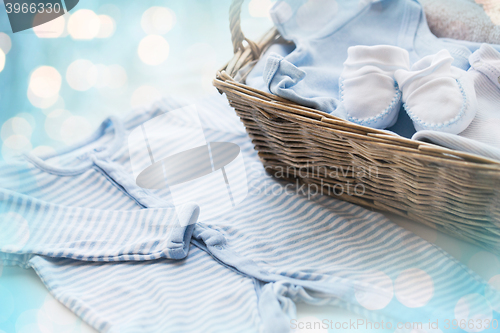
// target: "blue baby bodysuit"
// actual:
[[323, 31], [88, 194]]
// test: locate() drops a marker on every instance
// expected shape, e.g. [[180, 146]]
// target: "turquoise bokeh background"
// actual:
[[182, 45]]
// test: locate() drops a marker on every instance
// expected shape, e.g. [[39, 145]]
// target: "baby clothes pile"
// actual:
[[377, 64], [125, 259]]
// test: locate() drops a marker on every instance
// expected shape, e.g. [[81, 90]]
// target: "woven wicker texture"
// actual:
[[456, 192]]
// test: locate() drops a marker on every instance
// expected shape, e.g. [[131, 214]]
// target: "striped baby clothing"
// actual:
[[245, 270], [91, 234], [128, 281]]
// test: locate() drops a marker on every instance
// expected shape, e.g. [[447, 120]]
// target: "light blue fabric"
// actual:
[[254, 79], [324, 30], [457, 142], [247, 269], [90, 234], [151, 294], [482, 137]]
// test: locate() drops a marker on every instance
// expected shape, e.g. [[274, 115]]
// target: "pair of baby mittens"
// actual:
[[377, 79]]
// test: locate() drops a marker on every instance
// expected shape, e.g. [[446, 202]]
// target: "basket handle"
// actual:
[[237, 36]]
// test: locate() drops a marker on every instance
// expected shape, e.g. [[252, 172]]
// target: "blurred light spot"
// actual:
[[203, 63], [27, 323], [58, 313], [414, 288], [7, 304], [2, 60], [494, 16], [29, 118], [157, 20], [54, 121], [485, 264], [44, 323], [106, 27], [15, 231], [16, 125], [5, 42], [42, 103], [206, 82], [473, 307], [144, 96], [310, 325], [74, 129], [51, 29], [31, 328], [110, 10], [103, 76], [84, 24], [17, 142], [492, 9], [59, 104], [41, 151], [45, 82], [118, 76], [153, 50], [202, 56], [493, 294], [382, 294], [495, 282], [14, 146], [113, 76], [259, 8], [21, 126], [81, 75]]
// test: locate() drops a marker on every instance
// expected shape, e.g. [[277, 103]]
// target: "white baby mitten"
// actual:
[[438, 96], [368, 91]]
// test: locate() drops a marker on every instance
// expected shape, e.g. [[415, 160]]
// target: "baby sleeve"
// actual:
[[30, 227]]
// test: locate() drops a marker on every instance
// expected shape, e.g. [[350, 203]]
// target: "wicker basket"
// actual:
[[456, 192]]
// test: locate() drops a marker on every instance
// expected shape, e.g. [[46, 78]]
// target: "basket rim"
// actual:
[[282, 108]]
